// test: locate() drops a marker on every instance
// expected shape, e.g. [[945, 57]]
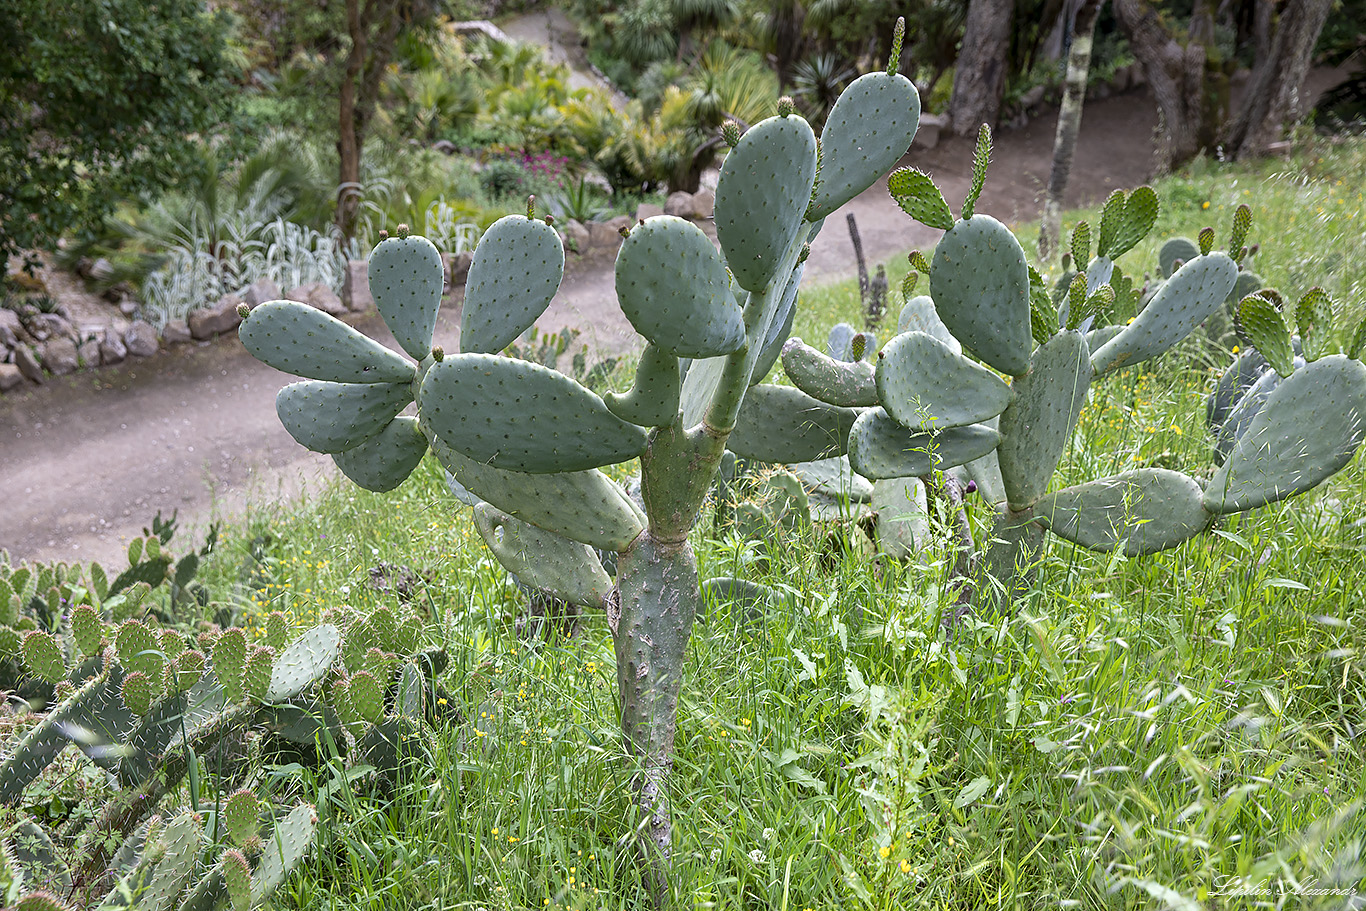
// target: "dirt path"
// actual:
[[86, 460]]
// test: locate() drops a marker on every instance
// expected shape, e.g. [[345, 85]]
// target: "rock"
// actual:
[[258, 292], [703, 202], [356, 286], [117, 294], [140, 339], [176, 332], [576, 236], [1032, 98], [318, 296], [89, 353], [679, 203], [931, 126], [9, 377], [457, 267], [648, 210], [112, 350], [59, 356], [128, 307], [27, 363], [221, 317], [608, 233], [10, 328], [101, 270]]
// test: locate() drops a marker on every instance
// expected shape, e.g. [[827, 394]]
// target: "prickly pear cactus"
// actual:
[[526, 444]]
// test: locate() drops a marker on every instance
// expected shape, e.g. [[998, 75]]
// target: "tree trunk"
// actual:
[[980, 79], [1273, 93], [1069, 124], [348, 134]]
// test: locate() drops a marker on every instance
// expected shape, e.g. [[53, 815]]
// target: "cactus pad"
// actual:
[[880, 447], [43, 656], [542, 559], [868, 130], [386, 460], [919, 315], [849, 384], [240, 813], [925, 386], [833, 478], [335, 417], [367, 697], [903, 519], [520, 416], [87, 630], [256, 675], [39, 901], [762, 195], [1148, 510], [236, 874], [673, 288], [979, 281], [1261, 325], [919, 198], [780, 329], [782, 424], [1176, 250], [406, 279], [653, 400], [137, 693], [515, 273], [229, 661], [298, 339]]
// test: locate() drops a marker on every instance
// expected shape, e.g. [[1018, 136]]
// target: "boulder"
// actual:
[[931, 126], [703, 202], [11, 329], [176, 332], [112, 350], [222, 317], [356, 286], [9, 377], [89, 353], [608, 233], [101, 270], [318, 296], [260, 291], [457, 268], [648, 210], [128, 307], [576, 236], [59, 356], [679, 203], [27, 363], [140, 339]]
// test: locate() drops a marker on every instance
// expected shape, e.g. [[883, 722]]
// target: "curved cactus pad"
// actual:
[[880, 447], [762, 195], [585, 506], [780, 329], [1307, 430], [515, 273], [979, 281], [385, 461], [782, 424], [1148, 510], [919, 315], [653, 400], [847, 383], [869, 128], [673, 288], [903, 517], [406, 279], [334, 417], [1037, 426], [925, 386], [298, 339], [834, 478], [287, 846], [1236, 380], [520, 416], [1186, 300], [1176, 250], [542, 559], [304, 662]]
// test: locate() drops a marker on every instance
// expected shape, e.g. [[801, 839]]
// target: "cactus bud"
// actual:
[[971, 487], [624, 230], [980, 159], [86, 630], [898, 35], [43, 656], [806, 251], [918, 262], [908, 284], [549, 219], [531, 206], [1081, 243], [730, 133], [438, 353], [137, 693], [383, 234], [786, 106], [243, 311], [1066, 262], [1242, 222], [1206, 241], [240, 813], [401, 231]]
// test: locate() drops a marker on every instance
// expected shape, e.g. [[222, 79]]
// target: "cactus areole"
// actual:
[[526, 443]]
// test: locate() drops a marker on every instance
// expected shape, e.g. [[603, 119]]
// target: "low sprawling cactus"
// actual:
[[933, 407], [530, 442]]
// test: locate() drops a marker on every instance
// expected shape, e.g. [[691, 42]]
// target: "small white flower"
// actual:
[[758, 857], [768, 834], [715, 854]]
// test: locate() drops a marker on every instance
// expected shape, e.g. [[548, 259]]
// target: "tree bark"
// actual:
[[980, 79], [1273, 93], [373, 29], [1069, 124]]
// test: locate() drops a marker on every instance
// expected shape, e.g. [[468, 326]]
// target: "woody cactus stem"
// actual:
[[524, 444]]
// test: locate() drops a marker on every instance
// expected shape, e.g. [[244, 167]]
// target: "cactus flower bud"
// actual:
[[786, 106], [730, 133], [971, 487], [402, 231], [550, 219], [806, 251], [438, 353], [243, 311]]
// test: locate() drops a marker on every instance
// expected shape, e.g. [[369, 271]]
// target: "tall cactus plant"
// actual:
[[530, 443], [937, 399]]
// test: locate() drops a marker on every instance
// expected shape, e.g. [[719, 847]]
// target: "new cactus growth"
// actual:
[[525, 444]]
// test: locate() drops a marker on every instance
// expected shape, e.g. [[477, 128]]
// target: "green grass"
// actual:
[[1138, 734]]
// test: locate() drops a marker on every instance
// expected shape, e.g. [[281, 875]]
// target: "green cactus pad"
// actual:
[[236, 873], [1261, 325], [1233, 384], [335, 417], [298, 339], [1240, 416], [840, 341], [1308, 429], [229, 661], [850, 384], [673, 288], [544, 560], [1246, 283], [520, 416], [880, 447], [367, 697], [515, 273], [87, 629], [783, 424], [137, 693], [240, 813], [868, 130], [925, 386], [833, 478], [406, 279], [181, 841], [277, 629], [780, 330], [1140, 214], [137, 644], [188, 667], [1187, 299], [43, 656], [11, 642], [979, 281], [584, 506], [903, 518], [39, 901], [919, 198], [1037, 426], [653, 400], [1174, 250], [256, 675], [1110, 217], [919, 315], [1148, 510], [1315, 319], [385, 461], [762, 194]]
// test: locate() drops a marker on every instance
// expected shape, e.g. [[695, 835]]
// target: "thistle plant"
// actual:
[[529, 443]]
